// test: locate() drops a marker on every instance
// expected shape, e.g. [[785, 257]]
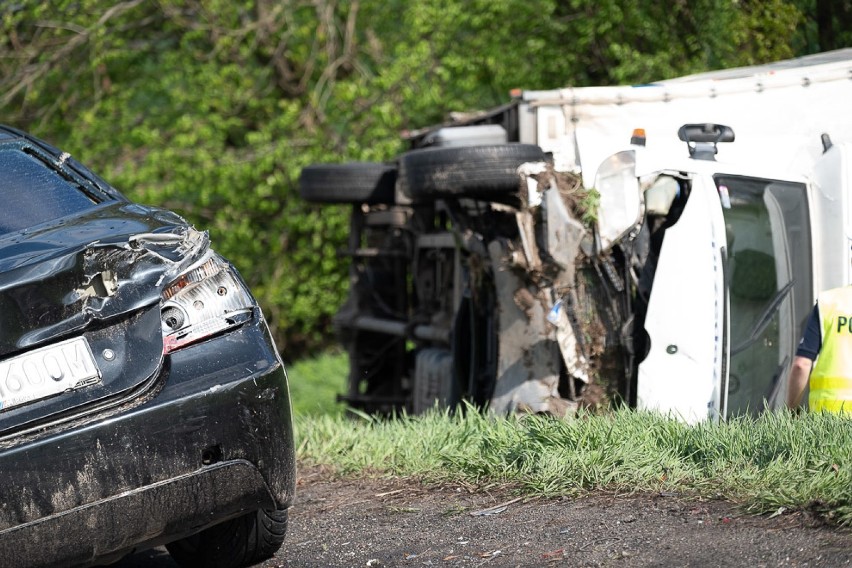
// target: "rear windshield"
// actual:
[[33, 193]]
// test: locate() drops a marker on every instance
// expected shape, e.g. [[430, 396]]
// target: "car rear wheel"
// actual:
[[465, 171], [238, 542], [356, 182]]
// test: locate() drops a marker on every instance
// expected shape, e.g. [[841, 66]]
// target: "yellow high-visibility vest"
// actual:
[[831, 379]]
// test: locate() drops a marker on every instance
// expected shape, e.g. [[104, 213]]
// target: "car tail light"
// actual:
[[204, 301]]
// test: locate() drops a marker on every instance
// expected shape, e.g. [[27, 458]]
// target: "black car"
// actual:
[[142, 399]]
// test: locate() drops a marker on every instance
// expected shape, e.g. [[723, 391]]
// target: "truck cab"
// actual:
[[726, 274]]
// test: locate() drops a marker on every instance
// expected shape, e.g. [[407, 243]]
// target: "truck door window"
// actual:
[[769, 285]]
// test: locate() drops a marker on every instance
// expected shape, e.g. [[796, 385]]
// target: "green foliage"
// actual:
[[316, 382], [212, 108], [826, 25], [776, 460]]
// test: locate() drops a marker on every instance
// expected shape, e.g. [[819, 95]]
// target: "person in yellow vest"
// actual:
[[825, 356]]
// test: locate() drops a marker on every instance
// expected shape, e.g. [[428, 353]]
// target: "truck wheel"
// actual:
[[238, 542], [434, 381], [465, 171], [355, 182]]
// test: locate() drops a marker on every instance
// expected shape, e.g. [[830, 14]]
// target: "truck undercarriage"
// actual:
[[471, 282]]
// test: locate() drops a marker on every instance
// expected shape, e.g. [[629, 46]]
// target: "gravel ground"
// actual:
[[378, 522]]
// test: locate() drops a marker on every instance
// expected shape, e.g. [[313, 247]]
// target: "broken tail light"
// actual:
[[205, 300]]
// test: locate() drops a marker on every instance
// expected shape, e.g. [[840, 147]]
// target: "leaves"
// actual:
[[212, 108]]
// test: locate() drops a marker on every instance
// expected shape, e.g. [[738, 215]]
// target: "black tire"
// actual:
[[355, 182], [434, 381], [465, 171], [238, 542]]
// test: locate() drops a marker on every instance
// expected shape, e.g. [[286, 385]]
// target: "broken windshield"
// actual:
[[769, 251]]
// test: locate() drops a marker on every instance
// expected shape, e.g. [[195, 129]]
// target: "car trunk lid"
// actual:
[[80, 309]]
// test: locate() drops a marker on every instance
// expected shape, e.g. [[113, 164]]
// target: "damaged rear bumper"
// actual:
[[214, 443]]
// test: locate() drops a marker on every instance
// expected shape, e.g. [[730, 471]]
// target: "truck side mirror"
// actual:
[[701, 139]]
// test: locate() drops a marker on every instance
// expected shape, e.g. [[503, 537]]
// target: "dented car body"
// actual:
[[579, 246], [143, 400]]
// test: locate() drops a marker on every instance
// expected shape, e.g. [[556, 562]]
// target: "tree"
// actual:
[[211, 108]]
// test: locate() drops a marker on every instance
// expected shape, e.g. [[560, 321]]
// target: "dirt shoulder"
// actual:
[[357, 522], [379, 522]]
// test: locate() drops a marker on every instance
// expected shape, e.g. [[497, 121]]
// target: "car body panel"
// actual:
[[206, 409]]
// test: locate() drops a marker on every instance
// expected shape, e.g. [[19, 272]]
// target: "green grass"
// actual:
[[777, 460], [315, 384]]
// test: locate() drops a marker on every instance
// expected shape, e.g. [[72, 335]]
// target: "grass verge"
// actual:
[[775, 461]]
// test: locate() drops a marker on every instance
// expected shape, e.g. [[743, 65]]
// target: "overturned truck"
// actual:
[[581, 246]]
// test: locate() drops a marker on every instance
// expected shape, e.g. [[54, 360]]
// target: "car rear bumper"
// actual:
[[108, 529], [214, 443]]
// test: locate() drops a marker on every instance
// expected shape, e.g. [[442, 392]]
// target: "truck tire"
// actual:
[[243, 541], [465, 171], [356, 182], [434, 381]]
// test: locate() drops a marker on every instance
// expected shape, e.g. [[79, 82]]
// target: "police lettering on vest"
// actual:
[[844, 323]]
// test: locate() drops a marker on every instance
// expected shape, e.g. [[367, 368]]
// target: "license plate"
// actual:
[[47, 371]]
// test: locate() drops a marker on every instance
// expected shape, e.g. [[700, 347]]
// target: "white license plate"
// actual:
[[47, 371]]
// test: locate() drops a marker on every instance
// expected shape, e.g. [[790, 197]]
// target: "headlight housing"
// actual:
[[203, 301]]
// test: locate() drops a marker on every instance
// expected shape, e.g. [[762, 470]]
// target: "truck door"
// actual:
[[683, 371]]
